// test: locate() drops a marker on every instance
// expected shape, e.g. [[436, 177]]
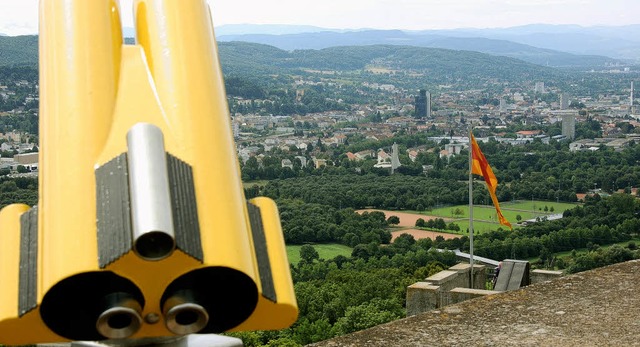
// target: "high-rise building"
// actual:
[[631, 96], [395, 160], [503, 105], [569, 125], [539, 88], [423, 104], [564, 101], [428, 104]]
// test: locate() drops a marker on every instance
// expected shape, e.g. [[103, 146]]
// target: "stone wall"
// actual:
[[591, 308], [435, 291], [457, 295], [422, 297], [538, 276]]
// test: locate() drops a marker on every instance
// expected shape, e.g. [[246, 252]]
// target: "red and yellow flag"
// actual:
[[480, 166]]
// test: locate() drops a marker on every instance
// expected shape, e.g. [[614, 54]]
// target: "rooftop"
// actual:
[[592, 308]]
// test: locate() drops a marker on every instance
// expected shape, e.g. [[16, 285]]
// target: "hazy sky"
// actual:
[[20, 16]]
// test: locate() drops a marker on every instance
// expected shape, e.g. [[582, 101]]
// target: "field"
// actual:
[[326, 251], [484, 216], [421, 234], [526, 209], [407, 219]]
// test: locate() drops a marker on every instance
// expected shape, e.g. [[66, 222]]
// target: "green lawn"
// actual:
[[538, 206], [326, 251], [485, 217]]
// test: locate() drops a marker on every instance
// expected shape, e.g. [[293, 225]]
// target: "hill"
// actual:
[[431, 39], [438, 64], [618, 42], [18, 50], [242, 58]]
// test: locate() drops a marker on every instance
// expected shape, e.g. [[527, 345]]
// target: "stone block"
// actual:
[[422, 297], [538, 276], [457, 295]]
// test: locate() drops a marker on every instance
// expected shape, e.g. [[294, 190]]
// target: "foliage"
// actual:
[[308, 254], [18, 50], [599, 258], [320, 223], [18, 190]]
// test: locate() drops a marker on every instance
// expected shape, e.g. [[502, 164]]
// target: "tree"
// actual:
[[22, 169], [308, 254], [394, 220]]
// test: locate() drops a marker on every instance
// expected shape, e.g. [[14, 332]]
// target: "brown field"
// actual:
[[406, 219], [422, 234]]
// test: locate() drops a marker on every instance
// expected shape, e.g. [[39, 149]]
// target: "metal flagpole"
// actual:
[[470, 209]]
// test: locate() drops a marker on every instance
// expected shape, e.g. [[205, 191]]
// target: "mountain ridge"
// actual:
[[617, 42], [326, 39]]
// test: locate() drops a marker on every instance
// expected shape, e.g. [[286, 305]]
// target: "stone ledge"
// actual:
[[600, 307]]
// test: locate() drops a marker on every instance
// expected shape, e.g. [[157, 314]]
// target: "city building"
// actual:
[[569, 125], [423, 104], [564, 101]]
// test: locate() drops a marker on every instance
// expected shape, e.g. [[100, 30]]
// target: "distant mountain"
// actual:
[[18, 50], [621, 42], [325, 39], [267, 29], [441, 65]]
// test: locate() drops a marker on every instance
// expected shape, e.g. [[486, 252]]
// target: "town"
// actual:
[[366, 158]]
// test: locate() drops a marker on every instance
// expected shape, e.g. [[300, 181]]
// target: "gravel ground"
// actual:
[[594, 308]]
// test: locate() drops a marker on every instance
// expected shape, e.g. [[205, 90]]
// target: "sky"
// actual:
[[19, 17]]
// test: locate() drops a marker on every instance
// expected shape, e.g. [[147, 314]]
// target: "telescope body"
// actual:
[[142, 229]]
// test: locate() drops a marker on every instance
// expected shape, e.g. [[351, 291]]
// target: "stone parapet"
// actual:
[[422, 297], [538, 276], [457, 295]]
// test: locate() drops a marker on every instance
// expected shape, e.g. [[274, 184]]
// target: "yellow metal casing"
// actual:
[[229, 260]]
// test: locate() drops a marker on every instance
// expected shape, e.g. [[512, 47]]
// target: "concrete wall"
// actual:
[[457, 295], [435, 291], [422, 297], [538, 276]]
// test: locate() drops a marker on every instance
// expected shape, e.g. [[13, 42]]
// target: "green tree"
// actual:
[[394, 220], [308, 254]]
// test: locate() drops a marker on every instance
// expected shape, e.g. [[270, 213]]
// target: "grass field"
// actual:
[[326, 251], [485, 217]]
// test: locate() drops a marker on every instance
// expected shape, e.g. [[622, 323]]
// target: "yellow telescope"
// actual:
[[142, 229]]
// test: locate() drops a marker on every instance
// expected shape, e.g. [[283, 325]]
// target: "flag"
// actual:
[[480, 166]]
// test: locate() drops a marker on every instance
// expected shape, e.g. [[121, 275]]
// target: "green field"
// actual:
[[326, 251], [485, 217]]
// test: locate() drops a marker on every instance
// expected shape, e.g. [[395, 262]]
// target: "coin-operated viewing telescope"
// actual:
[[142, 229]]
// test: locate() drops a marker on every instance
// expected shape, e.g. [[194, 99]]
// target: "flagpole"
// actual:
[[470, 208]]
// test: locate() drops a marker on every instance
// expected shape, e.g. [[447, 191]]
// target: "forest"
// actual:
[[346, 294]]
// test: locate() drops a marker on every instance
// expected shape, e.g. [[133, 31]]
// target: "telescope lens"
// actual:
[[154, 245]]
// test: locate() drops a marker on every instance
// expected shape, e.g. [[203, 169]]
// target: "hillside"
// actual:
[[499, 47], [242, 58], [18, 50], [438, 64]]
